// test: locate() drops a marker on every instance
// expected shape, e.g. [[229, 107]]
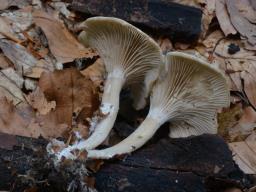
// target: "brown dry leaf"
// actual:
[[62, 43], [239, 66], [13, 123], [95, 72], [10, 89], [38, 101], [72, 92], [246, 10], [25, 63], [243, 26], [19, 20], [250, 84], [245, 154], [22, 122], [165, 44], [62, 8], [6, 30], [228, 118], [212, 39], [244, 127], [208, 15], [181, 46], [4, 62], [223, 18], [5, 4], [253, 3]]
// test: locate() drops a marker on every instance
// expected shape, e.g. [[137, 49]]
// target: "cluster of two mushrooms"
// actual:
[[184, 89]]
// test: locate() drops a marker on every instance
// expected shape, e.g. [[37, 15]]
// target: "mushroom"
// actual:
[[189, 95], [129, 56]]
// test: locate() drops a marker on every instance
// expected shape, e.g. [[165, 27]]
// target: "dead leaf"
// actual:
[[30, 84], [223, 18], [62, 8], [245, 154], [38, 101], [227, 119], [242, 25], [24, 62], [165, 44], [212, 39], [13, 76], [5, 4], [62, 43], [4, 62], [10, 89], [20, 20], [246, 10], [208, 14], [95, 72], [6, 30], [250, 84], [72, 92], [11, 122], [22, 122], [181, 46]]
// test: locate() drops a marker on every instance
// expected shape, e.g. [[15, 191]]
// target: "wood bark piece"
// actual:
[[178, 22], [168, 165], [171, 165]]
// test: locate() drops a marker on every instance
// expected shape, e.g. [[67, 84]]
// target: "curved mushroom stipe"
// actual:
[[129, 55], [189, 96]]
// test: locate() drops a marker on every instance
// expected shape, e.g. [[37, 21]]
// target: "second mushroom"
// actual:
[[189, 95]]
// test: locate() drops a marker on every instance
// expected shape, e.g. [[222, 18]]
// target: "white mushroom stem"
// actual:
[[109, 107], [136, 140]]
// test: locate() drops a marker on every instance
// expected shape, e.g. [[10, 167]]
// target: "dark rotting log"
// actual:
[[178, 22], [163, 166], [173, 165]]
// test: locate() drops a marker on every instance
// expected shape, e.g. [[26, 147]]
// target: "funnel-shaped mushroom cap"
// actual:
[[123, 48], [190, 95]]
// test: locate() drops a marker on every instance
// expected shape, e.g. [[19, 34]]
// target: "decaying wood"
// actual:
[[168, 165], [173, 165], [178, 22]]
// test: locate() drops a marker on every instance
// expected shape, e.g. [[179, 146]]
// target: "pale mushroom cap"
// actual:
[[123, 48], [190, 95]]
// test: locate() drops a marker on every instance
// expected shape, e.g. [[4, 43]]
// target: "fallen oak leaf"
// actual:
[[13, 76], [11, 122], [23, 123], [245, 154], [4, 62], [6, 30], [223, 18], [20, 20], [38, 101], [25, 63], [62, 43], [9, 89], [72, 93], [95, 72], [246, 10], [242, 25]]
